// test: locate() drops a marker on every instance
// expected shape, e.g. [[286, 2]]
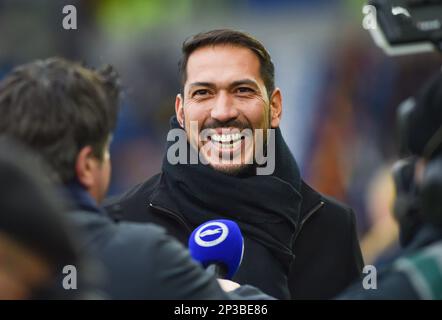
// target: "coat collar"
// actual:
[[80, 198], [162, 197], [311, 199]]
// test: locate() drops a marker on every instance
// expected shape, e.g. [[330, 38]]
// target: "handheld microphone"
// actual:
[[219, 246]]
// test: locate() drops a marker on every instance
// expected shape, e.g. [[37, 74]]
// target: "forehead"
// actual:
[[222, 63]]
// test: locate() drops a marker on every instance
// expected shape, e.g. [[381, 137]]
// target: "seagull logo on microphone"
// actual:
[[211, 234]]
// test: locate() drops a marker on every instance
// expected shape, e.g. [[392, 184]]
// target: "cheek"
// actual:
[[104, 173], [107, 171], [196, 111], [104, 180], [256, 112], [196, 114]]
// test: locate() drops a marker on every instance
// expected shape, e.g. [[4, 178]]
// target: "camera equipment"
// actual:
[[405, 26]]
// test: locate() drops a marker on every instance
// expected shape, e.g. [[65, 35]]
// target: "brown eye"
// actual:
[[244, 90], [200, 92]]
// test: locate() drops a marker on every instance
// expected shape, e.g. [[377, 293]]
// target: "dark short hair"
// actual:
[[232, 37], [56, 107]]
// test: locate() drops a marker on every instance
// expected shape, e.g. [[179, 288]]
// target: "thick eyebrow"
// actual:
[[232, 85], [202, 84]]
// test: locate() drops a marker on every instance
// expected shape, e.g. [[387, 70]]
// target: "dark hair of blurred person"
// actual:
[[66, 112], [35, 239]]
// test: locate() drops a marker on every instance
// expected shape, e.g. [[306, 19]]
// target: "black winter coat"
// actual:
[[327, 253]]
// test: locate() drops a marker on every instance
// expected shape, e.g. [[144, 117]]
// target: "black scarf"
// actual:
[[266, 208]]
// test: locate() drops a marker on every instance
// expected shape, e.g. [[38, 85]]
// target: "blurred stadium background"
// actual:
[[340, 92]]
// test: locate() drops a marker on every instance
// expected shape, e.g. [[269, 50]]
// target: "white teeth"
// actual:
[[230, 138]]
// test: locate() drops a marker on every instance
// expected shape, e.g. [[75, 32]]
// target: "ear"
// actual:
[[275, 108], [179, 110], [84, 167]]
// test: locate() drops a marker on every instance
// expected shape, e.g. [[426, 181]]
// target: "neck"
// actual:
[[81, 198]]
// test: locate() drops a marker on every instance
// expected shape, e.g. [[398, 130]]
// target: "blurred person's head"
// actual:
[[420, 121], [227, 86], [66, 113], [35, 240], [419, 177]]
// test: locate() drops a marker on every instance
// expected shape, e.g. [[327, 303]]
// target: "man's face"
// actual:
[[225, 94]]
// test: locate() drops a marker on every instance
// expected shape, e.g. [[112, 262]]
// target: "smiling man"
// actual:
[[229, 111]]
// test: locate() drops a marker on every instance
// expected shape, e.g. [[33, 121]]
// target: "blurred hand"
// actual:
[[228, 285]]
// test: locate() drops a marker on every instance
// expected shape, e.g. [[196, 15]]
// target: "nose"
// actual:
[[224, 108]]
